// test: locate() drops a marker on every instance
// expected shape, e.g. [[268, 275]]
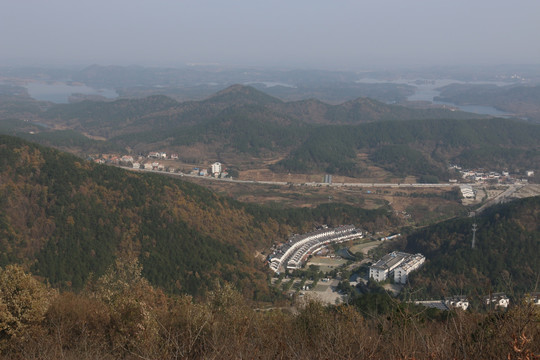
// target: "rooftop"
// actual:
[[391, 260]]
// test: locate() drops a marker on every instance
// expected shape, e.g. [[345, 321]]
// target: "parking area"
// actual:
[[326, 293]]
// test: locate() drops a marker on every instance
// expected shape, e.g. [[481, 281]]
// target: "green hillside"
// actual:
[[160, 112], [516, 99], [506, 256], [66, 218], [421, 147], [307, 135]]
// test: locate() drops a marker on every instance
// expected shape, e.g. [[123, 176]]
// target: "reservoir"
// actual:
[[426, 90]]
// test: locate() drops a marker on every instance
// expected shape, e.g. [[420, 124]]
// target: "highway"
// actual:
[[502, 197], [314, 184]]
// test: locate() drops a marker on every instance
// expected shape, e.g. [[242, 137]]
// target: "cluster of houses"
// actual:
[[215, 170], [400, 265], [151, 162], [482, 176], [294, 253], [162, 155], [497, 300]]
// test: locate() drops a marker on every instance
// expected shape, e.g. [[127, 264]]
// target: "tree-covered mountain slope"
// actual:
[[522, 100], [418, 147], [67, 218], [160, 112], [506, 256], [241, 123]]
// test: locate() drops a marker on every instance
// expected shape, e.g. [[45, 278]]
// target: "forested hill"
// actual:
[[521, 100], [240, 124], [160, 113], [506, 256], [418, 147], [66, 218]]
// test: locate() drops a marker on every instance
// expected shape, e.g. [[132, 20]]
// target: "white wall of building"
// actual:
[[216, 168]]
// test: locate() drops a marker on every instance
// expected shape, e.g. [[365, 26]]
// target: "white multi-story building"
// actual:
[[294, 253], [410, 264], [382, 269], [398, 264], [216, 168]]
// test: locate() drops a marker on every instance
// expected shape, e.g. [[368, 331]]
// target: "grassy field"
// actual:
[[326, 264], [364, 247], [423, 202]]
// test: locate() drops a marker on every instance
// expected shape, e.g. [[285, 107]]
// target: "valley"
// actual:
[[153, 214], [269, 180]]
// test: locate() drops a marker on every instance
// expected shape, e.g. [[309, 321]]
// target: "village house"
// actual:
[[498, 300], [533, 298], [457, 302]]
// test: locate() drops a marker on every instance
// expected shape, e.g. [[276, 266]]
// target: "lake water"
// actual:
[[478, 109], [269, 84], [426, 91], [60, 92]]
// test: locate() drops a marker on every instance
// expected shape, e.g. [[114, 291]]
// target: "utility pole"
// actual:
[[474, 227]]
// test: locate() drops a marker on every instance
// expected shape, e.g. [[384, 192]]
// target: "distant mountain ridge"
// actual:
[[241, 123], [166, 114]]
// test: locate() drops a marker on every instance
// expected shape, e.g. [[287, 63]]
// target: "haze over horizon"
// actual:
[[350, 35]]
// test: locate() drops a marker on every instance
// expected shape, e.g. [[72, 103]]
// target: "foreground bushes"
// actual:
[[121, 316]]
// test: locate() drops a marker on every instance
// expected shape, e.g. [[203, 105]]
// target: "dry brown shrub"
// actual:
[[23, 303], [78, 323]]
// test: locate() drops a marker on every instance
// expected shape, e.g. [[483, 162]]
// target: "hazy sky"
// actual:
[[340, 34]]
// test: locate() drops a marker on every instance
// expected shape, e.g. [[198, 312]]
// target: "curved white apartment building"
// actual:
[[295, 252]]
